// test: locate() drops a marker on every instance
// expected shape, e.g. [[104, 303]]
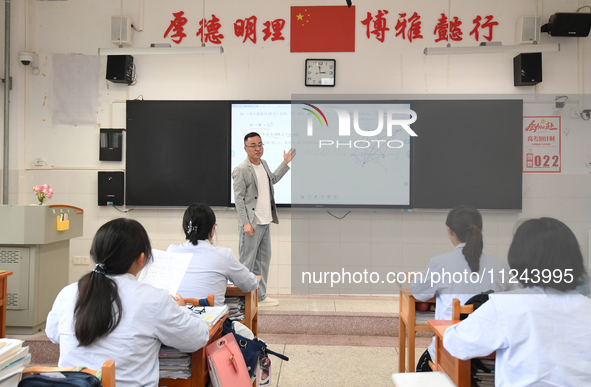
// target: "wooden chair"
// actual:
[[457, 309], [107, 372], [406, 321]]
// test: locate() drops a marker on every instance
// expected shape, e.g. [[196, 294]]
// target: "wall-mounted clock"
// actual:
[[320, 72]]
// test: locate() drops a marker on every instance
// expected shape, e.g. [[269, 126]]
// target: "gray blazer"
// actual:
[[246, 192]]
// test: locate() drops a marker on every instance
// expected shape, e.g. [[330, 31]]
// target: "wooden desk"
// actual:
[[458, 370], [251, 306], [199, 370], [3, 292], [406, 319]]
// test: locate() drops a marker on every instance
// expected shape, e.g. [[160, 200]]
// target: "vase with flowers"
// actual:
[[43, 193]]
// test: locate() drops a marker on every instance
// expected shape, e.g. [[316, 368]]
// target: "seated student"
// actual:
[[108, 315], [211, 267], [541, 332], [464, 227]]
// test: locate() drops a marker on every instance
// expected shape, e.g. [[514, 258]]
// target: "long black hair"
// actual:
[[116, 245], [198, 221], [466, 223], [550, 247]]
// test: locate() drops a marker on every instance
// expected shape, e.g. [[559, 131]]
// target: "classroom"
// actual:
[[259, 67]]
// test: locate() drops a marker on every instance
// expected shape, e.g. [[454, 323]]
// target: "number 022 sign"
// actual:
[[541, 144]]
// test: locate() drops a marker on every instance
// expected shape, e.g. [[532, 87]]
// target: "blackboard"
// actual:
[[177, 153], [468, 152]]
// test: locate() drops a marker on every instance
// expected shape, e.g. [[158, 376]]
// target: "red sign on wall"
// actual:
[[541, 144]]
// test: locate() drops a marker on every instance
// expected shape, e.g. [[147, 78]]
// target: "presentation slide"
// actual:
[[348, 154]]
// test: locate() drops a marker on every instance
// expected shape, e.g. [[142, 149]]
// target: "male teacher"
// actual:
[[253, 193]]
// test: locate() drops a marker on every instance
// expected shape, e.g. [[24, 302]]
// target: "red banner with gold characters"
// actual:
[[541, 144]]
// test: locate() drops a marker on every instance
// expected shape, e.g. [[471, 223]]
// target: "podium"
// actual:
[[35, 246]]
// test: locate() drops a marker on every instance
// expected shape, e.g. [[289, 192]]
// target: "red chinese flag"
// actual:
[[323, 29]]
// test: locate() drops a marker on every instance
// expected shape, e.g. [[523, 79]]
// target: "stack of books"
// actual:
[[13, 360], [235, 308], [210, 314], [174, 364], [423, 317], [483, 372]]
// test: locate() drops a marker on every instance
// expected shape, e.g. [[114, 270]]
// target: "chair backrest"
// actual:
[[457, 309], [107, 372], [201, 302]]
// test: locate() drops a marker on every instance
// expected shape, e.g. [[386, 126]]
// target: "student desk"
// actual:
[[406, 319], [458, 370], [251, 306], [3, 293], [199, 370]]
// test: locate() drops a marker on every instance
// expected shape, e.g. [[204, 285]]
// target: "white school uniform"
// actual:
[[209, 271], [150, 317], [455, 262], [542, 337]]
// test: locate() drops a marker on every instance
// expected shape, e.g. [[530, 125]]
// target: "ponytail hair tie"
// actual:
[[100, 268], [472, 227], [191, 228]]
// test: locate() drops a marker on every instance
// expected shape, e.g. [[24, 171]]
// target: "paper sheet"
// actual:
[[166, 271]]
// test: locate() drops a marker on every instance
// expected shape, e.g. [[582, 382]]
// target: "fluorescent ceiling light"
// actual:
[[161, 50], [520, 48]]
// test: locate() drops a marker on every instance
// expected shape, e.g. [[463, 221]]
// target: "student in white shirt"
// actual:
[[211, 267], [108, 315], [458, 272], [541, 332]]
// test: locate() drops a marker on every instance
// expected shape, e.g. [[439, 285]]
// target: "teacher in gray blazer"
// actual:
[[253, 193]]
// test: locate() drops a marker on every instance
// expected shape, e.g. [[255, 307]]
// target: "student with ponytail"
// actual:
[[464, 228], [108, 315], [211, 267]]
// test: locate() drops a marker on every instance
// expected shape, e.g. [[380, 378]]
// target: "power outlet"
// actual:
[[574, 113], [80, 260], [39, 162]]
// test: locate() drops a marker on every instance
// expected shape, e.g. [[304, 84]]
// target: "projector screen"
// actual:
[[370, 166]]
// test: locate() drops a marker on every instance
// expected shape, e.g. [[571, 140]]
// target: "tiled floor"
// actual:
[[336, 365]]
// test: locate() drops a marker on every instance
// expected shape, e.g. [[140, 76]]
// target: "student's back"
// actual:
[[108, 315], [150, 318], [540, 332], [541, 337], [446, 290], [461, 273], [211, 267]]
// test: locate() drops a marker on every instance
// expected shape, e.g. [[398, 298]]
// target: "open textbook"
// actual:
[[166, 270]]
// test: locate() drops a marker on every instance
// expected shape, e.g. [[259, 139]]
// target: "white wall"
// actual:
[[268, 70]]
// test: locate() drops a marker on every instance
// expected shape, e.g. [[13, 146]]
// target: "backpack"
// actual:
[[72, 379], [477, 301]]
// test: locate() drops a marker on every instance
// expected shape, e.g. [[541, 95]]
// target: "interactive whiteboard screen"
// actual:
[[368, 167]]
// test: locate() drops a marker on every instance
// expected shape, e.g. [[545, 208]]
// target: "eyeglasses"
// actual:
[[254, 146], [195, 309]]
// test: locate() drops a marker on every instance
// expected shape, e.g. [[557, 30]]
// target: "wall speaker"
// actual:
[[120, 68], [121, 27], [575, 24], [111, 188], [527, 69], [111, 144], [527, 30]]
